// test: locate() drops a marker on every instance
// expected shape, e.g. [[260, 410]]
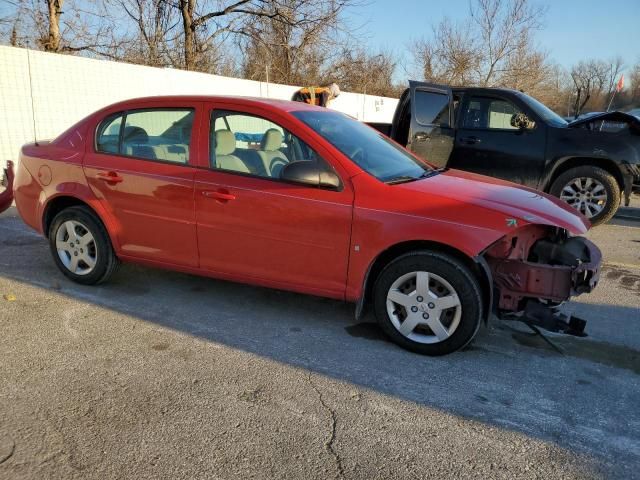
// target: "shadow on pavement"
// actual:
[[506, 377]]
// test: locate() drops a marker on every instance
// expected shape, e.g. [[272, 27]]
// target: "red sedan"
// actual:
[[300, 198]]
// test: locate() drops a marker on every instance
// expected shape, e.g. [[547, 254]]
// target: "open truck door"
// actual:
[[431, 134]]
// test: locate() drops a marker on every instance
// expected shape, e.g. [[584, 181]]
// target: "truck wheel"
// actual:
[[428, 302], [81, 247], [592, 191]]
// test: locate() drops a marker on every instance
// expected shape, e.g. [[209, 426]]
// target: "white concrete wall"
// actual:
[[42, 94]]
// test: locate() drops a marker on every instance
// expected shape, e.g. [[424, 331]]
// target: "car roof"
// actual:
[[279, 104]]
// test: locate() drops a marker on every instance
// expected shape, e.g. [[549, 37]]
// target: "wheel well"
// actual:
[[604, 163], [406, 247], [55, 206]]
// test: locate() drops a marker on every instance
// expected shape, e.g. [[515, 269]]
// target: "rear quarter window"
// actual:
[[152, 134], [108, 134]]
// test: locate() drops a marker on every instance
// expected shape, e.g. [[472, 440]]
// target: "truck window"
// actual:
[[432, 108], [500, 113], [491, 113]]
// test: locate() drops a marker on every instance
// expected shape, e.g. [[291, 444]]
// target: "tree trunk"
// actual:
[[52, 44], [186, 8], [13, 41]]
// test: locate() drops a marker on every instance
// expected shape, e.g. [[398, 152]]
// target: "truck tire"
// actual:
[[591, 190], [428, 302]]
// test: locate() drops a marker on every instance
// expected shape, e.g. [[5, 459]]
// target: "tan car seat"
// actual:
[[225, 142], [272, 158]]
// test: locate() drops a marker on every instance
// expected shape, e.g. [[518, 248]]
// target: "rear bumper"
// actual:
[[517, 280], [6, 197]]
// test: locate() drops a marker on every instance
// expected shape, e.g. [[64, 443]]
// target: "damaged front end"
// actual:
[[6, 196], [538, 267]]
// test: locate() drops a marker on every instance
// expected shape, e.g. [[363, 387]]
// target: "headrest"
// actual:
[[135, 134], [225, 142], [271, 140]]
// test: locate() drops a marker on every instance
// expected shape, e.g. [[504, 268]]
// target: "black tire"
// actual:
[[605, 178], [106, 262], [464, 282]]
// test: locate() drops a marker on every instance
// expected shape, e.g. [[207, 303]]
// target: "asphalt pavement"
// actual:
[[163, 375]]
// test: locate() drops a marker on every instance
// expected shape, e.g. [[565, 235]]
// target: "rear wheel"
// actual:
[[591, 190], [428, 302], [81, 247]]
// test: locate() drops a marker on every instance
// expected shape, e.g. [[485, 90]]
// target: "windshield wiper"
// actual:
[[408, 178], [401, 179]]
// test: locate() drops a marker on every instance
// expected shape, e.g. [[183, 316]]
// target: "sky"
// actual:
[[573, 29]]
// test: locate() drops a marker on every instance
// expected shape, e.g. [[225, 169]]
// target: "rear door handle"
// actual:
[[111, 177], [219, 195], [470, 140]]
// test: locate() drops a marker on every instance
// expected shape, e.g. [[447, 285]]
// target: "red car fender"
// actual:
[[36, 191], [6, 197], [84, 194]]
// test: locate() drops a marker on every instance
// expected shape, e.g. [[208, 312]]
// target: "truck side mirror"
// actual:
[[522, 122]]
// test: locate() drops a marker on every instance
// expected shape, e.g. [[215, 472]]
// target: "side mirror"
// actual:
[[522, 122], [307, 172]]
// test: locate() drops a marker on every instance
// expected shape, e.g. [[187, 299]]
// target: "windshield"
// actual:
[[543, 111], [366, 147]]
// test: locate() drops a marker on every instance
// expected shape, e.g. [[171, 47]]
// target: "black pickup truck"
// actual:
[[591, 163]]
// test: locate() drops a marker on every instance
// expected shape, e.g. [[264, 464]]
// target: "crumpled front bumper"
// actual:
[[6, 197], [517, 280]]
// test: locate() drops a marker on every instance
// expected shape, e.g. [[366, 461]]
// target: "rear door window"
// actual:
[[153, 134]]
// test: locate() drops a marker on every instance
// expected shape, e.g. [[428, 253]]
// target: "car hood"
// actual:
[[612, 116], [506, 205]]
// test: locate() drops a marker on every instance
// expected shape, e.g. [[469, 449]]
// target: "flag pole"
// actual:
[[619, 86], [611, 100]]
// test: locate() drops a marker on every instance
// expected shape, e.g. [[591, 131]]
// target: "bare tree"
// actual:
[[155, 29], [356, 70], [52, 43], [506, 29], [451, 57], [79, 27], [634, 83], [594, 82], [494, 47], [292, 41], [200, 30]]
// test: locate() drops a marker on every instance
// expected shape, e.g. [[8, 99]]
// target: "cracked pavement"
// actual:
[[164, 375]]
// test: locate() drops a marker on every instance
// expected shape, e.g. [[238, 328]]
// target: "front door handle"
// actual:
[[470, 140], [109, 177], [421, 137], [221, 196]]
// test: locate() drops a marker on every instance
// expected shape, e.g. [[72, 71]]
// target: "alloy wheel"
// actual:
[[76, 247], [587, 195], [424, 307]]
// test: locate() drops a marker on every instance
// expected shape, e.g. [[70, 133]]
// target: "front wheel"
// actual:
[[591, 190], [428, 302]]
